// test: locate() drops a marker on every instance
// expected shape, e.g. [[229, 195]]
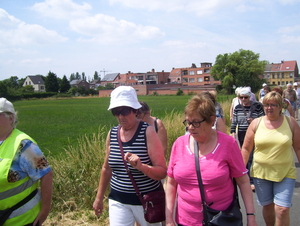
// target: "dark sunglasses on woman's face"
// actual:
[[121, 111], [245, 97]]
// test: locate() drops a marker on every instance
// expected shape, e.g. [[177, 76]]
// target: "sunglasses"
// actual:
[[121, 111], [246, 97]]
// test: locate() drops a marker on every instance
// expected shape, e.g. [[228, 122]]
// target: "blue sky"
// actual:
[[69, 36]]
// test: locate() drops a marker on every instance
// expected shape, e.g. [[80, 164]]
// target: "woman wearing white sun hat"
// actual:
[[144, 155]]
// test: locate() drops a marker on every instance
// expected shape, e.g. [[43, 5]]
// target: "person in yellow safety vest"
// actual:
[[25, 175]]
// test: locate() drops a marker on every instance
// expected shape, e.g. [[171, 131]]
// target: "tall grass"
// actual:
[[77, 173]]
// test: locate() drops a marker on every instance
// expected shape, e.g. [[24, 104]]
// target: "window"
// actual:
[[184, 72], [282, 83], [192, 80], [42, 87], [199, 72], [291, 75], [282, 75], [200, 79], [192, 72], [273, 75], [206, 79], [278, 75], [206, 71], [184, 80]]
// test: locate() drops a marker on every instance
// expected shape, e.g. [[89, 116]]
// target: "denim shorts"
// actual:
[[280, 193]]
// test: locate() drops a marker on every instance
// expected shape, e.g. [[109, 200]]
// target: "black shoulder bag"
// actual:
[[231, 216]]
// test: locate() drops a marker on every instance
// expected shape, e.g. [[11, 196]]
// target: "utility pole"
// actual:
[[103, 72]]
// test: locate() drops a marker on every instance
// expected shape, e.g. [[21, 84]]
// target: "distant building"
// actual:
[[281, 73], [193, 76], [79, 82], [36, 81]]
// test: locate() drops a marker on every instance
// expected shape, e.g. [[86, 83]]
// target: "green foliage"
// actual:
[[27, 89], [51, 82], [155, 93], [179, 92], [241, 68], [3, 89], [64, 85]]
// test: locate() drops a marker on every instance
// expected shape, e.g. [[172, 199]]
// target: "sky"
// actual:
[[117, 36]]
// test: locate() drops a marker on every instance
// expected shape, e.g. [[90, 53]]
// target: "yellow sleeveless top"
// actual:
[[273, 157]]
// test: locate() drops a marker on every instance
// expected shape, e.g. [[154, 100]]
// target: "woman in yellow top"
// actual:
[[273, 169]]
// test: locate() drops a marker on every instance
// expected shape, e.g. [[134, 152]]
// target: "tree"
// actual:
[[83, 76], [72, 77], [96, 75], [64, 85], [241, 68], [3, 89], [27, 89], [51, 83]]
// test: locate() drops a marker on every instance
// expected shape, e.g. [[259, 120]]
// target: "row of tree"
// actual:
[[241, 68]]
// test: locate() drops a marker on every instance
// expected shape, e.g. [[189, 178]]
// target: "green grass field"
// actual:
[[57, 123]]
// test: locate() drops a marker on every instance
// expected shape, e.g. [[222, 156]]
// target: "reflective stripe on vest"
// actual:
[[28, 206], [12, 193], [16, 190]]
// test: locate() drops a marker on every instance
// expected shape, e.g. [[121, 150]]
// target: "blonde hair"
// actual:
[[273, 96], [202, 105]]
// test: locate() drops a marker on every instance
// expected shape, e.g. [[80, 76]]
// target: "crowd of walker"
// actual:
[[257, 157]]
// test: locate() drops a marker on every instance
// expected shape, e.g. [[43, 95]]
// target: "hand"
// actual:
[[98, 207], [133, 159], [251, 221]]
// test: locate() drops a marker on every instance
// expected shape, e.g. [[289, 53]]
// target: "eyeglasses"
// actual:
[[194, 124], [121, 111], [271, 105], [245, 97]]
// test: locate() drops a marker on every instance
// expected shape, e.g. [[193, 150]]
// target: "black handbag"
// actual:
[[153, 202], [231, 216]]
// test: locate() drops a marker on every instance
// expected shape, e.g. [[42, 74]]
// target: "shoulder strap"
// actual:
[[155, 125], [288, 119], [137, 191], [257, 123]]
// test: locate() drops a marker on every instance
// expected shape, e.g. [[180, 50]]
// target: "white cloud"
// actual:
[[292, 29], [290, 39], [18, 33], [103, 28], [199, 7], [61, 9], [35, 61], [179, 44]]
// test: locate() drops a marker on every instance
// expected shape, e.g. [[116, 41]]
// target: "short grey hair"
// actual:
[[15, 118]]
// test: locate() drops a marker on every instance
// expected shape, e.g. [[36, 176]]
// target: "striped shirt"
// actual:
[[122, 189], [239, 119]]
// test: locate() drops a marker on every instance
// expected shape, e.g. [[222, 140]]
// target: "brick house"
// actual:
[[281, 73]]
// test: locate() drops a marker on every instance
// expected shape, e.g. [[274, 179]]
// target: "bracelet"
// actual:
[[250, 214]]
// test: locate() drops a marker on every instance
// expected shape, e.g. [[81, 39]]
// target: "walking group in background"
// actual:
[[199, 183]]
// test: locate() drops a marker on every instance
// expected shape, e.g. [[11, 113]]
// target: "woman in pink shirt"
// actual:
[[220, 161]]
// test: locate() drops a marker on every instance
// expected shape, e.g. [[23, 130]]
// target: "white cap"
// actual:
[[295, 84], [124, 96], [264, 84], [6, 106]]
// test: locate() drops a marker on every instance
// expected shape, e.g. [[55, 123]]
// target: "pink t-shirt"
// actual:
[[217, 168]]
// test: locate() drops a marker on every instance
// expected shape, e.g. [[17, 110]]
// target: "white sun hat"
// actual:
[[6, 106], [295, 84], [124, 96]]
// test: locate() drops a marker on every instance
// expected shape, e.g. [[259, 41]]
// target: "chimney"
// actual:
[[153, 70]]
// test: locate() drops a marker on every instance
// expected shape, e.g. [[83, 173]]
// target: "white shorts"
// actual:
[[126, 215]]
